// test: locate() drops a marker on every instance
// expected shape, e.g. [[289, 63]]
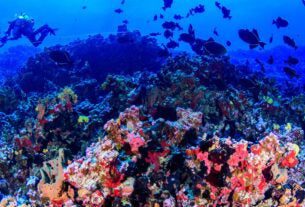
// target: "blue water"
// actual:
[[99, 17]]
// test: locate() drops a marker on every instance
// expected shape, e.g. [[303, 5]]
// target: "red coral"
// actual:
[[290, 160]]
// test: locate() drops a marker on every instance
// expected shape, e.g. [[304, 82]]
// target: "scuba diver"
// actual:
[[23, 25]]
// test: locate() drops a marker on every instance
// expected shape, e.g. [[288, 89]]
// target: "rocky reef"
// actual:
[[111, 127]]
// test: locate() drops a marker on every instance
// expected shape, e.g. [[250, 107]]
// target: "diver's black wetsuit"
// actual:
[[25, 27]]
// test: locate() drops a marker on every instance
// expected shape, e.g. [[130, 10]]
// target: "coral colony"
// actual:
[[197, 132]]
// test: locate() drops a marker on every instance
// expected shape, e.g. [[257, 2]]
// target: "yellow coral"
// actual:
[[68, 94]]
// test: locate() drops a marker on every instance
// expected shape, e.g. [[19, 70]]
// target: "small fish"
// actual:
[[291, 73], [171, 25], [178, 17], [172, 44], [186, 37], [214, 48], [226, 13], [119, 11], [291, 60], [251, 37], [167, 4], [215, 32], [154, 34], [271, 39], [61, 58], [217, 4], [196, 10], [167, 34], [84, 7], [161, 16], [123, 2], [270, 61], [155, 17], [191, 30], [280, 22], [289, 41], [125, 21], [228, 43]]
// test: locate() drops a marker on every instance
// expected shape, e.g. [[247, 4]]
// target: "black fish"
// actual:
[[125, 21], [84, 7], [289, 41], [215, 32], [178, 17], [167, 4], [191, 30], [270, 60], [196, 10], [61, 58], [228, 43], [280, 22], [155, 17], [291, 73], [161, 16], [214, 48], [172, 44], [119, 11], [271, 39], [252, 38], [226, 13], [123, 2], [154, 34], [186, 37], [171, 25], [291, 61], [167, 34], [217, 4]]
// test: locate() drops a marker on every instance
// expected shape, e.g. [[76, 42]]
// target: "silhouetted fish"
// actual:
[[172, 44], [252, 38], [119, 11], [167, 4], [178, 17], [161, 16], [61, 57], [215, 32], [125, 21], [123, 2], [84, 7], [291, 73], [171, 25], [188, 37], [291, 60], [154, 34], [214, 48], [226, 13], [289, 41], [196, 10], [270, 60], [271, 39], [155, 17], [280, 22], [167, 34]]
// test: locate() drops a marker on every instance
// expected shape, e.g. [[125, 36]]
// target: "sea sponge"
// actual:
[[52, 183]]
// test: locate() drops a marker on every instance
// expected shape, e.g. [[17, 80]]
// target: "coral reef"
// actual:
[[194, 131]]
